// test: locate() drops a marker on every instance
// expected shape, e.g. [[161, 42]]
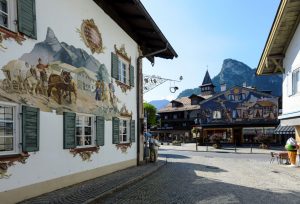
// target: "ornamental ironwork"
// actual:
[[152, 81]]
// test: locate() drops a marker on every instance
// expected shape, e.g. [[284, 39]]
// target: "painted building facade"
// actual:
[[281, 56], [238, 115], [70, 92]]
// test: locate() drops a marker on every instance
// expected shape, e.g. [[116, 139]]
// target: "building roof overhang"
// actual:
[[134, 19], [283, 29]]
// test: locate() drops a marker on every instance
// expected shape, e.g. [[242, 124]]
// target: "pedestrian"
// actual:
[[154, 145]]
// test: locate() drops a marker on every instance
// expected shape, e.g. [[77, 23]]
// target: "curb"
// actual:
[[125, 184]]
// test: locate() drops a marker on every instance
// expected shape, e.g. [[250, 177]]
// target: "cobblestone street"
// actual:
[[208, 177]]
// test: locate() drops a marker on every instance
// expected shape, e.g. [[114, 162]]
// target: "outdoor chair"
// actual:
[[284, 156], [275, 156]]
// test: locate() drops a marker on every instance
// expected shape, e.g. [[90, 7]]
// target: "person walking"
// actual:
[[155, 146]]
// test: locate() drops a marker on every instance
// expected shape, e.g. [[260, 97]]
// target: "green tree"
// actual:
[[151, 113]]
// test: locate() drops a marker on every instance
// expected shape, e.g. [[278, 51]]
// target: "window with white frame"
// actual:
[[8, 14], [217, 115], [85, 134], [8, 133], [123, 71], [124, 130], [296, 81]]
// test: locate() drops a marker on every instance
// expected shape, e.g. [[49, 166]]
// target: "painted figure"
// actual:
[[98, 90], [42, 68], [111, 92]]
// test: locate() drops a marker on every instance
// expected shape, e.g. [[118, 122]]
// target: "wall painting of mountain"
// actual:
[[58, 76]]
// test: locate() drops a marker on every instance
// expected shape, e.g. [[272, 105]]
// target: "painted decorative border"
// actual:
[[91, 36], [6, 34], [124, 87], [9, 161], [85, 153], [125, 113], [123, 147], [122, 52]]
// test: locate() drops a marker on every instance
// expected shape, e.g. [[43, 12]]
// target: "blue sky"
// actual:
[[204, 33]]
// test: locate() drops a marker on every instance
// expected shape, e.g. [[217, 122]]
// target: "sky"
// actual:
[[204, 33]]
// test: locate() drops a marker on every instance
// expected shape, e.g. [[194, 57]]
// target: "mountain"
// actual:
[[159, 104], [235, 73], [52, 50]]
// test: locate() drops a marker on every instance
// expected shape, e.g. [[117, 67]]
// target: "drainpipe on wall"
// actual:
[[139, 97]]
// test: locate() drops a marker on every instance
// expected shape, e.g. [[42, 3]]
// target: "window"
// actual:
[[242, 96], [231, 97], [8, 133], [296, 81], [124, 131], [217, 115], [123, 71], [8, 11], [175, 116], [84, 130]]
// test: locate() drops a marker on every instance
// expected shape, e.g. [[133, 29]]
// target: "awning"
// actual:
[[284, 130]]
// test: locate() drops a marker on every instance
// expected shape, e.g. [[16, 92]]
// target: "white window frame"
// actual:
[[16, 128], [296, 81], [217, 114], [82, 136], [11, 15], [121, 133], [123, 70]]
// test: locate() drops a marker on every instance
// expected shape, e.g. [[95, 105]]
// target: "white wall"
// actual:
[[52, 161], [291, 104]]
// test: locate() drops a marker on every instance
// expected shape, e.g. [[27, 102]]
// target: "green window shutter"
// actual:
[[27, 18], [114, 66], [131, 75], [69, 130], [132, 130], [115, 131], [100, 131], [30, 129]]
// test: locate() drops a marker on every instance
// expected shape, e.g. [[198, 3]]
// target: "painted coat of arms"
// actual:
[[91, 36]]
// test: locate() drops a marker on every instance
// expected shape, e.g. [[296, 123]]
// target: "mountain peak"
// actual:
[[234, 67], [52, 41], [235, 73]]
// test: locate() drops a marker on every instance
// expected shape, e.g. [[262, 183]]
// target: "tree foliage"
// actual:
[[151, 113]]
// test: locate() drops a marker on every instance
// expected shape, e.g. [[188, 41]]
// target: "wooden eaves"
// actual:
[[134, 19], [283, 29]]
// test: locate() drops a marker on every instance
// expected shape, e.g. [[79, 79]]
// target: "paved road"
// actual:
[[201, 177]]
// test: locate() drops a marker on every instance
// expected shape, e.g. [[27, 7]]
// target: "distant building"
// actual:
[[181, 115], [86, 79], [237, 114]]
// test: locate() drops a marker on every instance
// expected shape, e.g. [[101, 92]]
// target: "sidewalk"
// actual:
[[88, 191]]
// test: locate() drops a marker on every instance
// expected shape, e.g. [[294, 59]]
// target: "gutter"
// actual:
[[138, 87]]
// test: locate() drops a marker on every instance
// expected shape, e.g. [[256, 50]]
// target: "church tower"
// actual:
[[207, 87]]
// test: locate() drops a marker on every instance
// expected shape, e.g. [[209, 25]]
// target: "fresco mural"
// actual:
[[239, 105], [58, 76]]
